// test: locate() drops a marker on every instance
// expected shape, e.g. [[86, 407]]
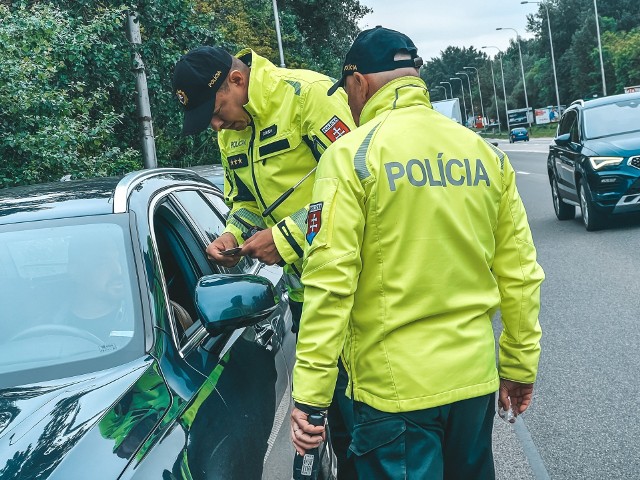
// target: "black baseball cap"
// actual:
[[373, 51], [196, 79]]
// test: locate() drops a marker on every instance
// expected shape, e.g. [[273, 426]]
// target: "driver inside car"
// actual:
[[97, 299]]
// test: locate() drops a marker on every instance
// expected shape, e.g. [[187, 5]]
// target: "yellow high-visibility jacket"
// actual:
[[417, 235], [293, 123]]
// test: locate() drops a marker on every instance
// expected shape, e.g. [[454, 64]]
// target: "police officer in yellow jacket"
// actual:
[[416, 236], [273, 125]]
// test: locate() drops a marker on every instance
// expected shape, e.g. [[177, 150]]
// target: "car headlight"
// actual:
[[599, 162]]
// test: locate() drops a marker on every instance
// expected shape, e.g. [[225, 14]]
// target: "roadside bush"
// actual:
[[51, 123]]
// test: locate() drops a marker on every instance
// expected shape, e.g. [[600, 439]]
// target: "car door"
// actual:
[[242, 405], [566, 156]]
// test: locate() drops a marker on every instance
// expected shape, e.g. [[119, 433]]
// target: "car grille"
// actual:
[[634, 162]]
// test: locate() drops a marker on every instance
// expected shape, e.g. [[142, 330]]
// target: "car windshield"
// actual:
[[68, 301], [612, 119]]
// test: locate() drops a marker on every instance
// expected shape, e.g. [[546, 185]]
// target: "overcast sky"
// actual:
[[433, 25]]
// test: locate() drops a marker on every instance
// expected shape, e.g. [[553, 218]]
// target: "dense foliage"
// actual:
[[577, 60], [67, 91]]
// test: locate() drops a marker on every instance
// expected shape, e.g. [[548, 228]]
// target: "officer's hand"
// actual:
[[304, 435], [223, 242], [516, 396], [262, 247]]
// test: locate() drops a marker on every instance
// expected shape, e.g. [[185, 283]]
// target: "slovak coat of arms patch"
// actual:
[[334, 129], [314, 220]]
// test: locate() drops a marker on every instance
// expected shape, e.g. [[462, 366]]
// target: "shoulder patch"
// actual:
[[314, 221], [334, 129]]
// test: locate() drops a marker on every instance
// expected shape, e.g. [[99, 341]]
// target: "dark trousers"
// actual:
[[451, 442], [339, 415]]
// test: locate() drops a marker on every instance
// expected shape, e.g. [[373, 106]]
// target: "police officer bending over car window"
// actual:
[[273, 125], [416, 237]]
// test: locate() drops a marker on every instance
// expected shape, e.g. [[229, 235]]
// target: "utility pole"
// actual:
[[142, 94], [277, 20], [479, 90], [495, 93], [604, 82], [524, 81]]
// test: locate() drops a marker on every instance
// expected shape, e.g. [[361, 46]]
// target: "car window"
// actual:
[[69, 295], [209, 220], [184, 223], [182, 258], [612, 119], [567, 122]]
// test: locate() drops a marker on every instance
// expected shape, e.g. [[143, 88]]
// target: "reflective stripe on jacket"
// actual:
[[293, 122], [417, 236]]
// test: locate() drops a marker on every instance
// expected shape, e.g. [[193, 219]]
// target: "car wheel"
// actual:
[[563, 210], [592, 219]]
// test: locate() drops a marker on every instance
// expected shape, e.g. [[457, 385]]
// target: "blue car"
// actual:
[[594, 161], [519, 134]]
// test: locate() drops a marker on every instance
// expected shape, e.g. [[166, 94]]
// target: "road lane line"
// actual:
[[530, 450]]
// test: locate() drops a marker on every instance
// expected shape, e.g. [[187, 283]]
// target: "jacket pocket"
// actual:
[[278, 145], [382, 435]]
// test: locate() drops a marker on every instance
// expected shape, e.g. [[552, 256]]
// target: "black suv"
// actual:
[[594, 162]]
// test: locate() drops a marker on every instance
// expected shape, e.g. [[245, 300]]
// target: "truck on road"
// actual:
[[449, 108]]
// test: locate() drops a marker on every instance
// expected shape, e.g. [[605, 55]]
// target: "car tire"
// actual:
[[592, 219], [563, 211]]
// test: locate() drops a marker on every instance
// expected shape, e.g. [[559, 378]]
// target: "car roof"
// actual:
[[77, 198], [596, 102], [57, 200]]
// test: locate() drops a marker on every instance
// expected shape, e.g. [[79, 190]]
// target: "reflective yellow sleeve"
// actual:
[[324, 118], [519, 277], [331, 270]]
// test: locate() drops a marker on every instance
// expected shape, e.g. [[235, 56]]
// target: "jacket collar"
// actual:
[[398, 93], [260, 82]]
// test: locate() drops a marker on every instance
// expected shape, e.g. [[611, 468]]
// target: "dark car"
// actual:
[[594, 161], [519, 134], [125, 353], [214, 173]]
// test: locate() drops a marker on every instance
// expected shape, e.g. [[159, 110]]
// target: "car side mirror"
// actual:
[[563, 140], [228, 302]]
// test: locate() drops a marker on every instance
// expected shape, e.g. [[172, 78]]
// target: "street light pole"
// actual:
[[473, 112], [479, 90], [604, 82], [495, 93], [450, 87], [504, 90], [278, 36], [445, 91], [464, 103], [524, 82], [553, 59]]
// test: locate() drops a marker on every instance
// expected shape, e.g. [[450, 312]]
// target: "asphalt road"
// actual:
[[583, 422]]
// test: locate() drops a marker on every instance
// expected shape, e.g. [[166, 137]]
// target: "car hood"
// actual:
[[626, 145], [43, 423]]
